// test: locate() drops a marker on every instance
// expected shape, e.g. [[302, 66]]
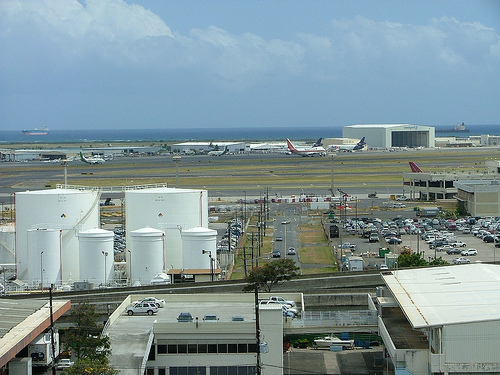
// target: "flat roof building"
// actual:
[[479, 197], [392, 135], [442, 320], [227, 344]]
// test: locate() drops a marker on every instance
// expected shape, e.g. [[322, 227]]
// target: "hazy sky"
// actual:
[[103, 64]]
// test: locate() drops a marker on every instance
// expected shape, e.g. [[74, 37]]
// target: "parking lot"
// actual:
[[369, 251]]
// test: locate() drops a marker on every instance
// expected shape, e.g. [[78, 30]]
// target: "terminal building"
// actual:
[[431, 186], [441, 320], [392, 135]]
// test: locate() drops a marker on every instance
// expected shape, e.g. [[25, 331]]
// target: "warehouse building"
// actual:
[[392, 135], [441, 320], [479, 197]]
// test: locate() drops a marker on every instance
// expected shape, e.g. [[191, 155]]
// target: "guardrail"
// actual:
[[336, 318]]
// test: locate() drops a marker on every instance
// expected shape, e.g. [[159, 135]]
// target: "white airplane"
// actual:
[[306, 151], [358, 146], [92, 159], [218, 152]]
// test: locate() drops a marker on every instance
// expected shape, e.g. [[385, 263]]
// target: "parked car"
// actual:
[[237, 318], [149, 308], [64, 363], [282, 300], [454, 251], [185, 317], [394, 241], [461, 260], [469, 252], [210, 318], [373, 237], [458, 244], [285, 307], [159, 302]]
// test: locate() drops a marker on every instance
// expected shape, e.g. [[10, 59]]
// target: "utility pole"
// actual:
[[257, 328]]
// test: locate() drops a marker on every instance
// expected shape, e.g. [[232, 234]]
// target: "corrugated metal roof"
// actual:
[[447, 295]]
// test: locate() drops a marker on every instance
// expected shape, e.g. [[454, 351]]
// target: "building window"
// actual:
[[222, 348], [233, 370], [192, 348], [172, 349], [182, 348], [162, 371], [161, 349], [212, 348], [193, 370], [150, 371], [203, 348]]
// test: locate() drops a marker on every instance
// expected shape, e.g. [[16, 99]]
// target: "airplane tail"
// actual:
[[415, 168], [362, 142], [318, 143], [82, 158], [290, 145]]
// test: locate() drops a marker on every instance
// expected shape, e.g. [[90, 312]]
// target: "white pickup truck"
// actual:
[[282, 300]]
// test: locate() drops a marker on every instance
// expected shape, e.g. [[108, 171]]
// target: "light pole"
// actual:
[[130, 265], [105, 266], [211, 263], [285, 223], [41, 270], [176, 159]]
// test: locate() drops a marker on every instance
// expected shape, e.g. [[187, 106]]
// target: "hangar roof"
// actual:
[[447, 295], [384, 126]]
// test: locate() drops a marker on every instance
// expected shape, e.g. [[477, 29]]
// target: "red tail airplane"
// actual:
[[415, 168]]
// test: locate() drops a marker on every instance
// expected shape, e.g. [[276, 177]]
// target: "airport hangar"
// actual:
[[392, 135]]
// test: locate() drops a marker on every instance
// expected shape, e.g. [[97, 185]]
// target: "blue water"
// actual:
[[205, 134]]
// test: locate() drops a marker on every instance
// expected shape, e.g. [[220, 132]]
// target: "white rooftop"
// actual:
[[447, 295]]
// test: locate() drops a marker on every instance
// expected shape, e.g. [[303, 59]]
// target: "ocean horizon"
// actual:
[[204, 134]]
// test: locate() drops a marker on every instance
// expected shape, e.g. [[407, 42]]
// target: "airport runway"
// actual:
[[251, 174]]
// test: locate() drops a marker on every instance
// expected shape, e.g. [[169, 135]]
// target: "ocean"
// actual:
[[203, 134]]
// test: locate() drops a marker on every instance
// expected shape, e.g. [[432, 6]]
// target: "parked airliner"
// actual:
[[358, 146], [315, 150], [92, 159]]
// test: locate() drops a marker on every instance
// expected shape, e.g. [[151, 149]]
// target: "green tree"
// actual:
[[84, 337], [439, 262], [411, 260], [270, 274], [91, 367]]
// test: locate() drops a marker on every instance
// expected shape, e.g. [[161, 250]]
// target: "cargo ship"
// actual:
[[459, 128], [36, 131]]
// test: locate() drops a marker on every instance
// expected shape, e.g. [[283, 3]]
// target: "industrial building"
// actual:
[[225, 344], [441, 320], [479, 197], [440, 184], [392, 135]]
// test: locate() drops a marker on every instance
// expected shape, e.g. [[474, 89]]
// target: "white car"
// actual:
[[159, 302], [149, 308], [469, 252], [461, 260], [64, 363]]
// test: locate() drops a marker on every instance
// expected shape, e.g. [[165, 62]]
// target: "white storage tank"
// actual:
[[70, 210], [194, 241], [170, 210], [7, 244], [96, 256], [147, 258], [44, 257]]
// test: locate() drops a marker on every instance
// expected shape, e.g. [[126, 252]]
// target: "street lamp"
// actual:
[[211, 264], [176, 160], [41, 270], [105, 266], [130, 265]]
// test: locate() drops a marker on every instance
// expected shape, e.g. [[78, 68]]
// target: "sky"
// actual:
[[148, 64]]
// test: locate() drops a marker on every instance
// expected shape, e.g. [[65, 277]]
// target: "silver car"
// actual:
[[149, 308]]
